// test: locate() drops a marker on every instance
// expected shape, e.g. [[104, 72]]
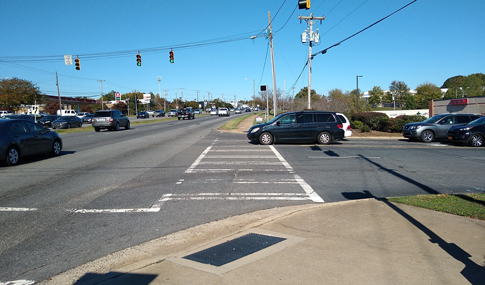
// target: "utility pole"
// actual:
[[313, 37], [165, 102], [197, 91], [159, 79], [102, 99], [58, 94], [275, 104]]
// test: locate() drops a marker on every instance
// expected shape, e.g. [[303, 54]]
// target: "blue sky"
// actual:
[[429, 41]]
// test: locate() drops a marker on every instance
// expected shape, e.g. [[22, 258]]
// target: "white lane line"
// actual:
[[334, 157], [236, 196], [16, 209], [104, 211], [307, 188], [234, 169], [180, 181], [252, 162], [239, 156], [197, 161]]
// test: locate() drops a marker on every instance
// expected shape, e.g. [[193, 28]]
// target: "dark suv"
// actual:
[[435, 127], [323, 127], [186, 113], [111, 120]]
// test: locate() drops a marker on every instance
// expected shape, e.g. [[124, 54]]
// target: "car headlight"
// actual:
[[415, 127], [465, 129], [254, 130]]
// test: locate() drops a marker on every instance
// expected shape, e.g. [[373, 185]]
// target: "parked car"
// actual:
[[208, 110], [81, 115], [4, 113], [159, 113], [66, 113], [237, 111], [143, 115], [18, 117], [111, 120], [66, 122], [151, 113], [323, 127], [247, 110], [47, 120], [172, 113], [197, 111], [22, 138], [88, 119], [472, 133], [223, 112], [186, 113], [346, 124], [436, 127], [214, 112]]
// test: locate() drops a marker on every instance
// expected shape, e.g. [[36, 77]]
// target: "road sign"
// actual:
[[68, 59], [117, 96]]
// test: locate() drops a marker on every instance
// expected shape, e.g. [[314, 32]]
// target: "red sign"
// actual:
[[459, 101], [117, 96]]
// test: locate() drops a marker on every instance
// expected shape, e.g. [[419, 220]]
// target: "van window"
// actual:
[[304, 118], [288, 119], [323, 118]]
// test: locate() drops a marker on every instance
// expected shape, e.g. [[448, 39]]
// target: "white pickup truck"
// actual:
[[223, 112]]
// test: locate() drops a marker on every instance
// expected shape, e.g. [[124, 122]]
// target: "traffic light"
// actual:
[[78, 63], [304, 4], [138, 59], [171, 56]]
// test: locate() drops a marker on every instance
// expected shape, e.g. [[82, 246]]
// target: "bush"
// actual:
[[396, 124], [367, 117], [364, 129], [356, 124]]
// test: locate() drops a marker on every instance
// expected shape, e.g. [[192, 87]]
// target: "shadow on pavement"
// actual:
[[112, 278]]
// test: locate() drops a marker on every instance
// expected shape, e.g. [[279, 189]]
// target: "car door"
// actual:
[[42, 142], [285, 129], [306, 128], [444, 125], [21, 136]]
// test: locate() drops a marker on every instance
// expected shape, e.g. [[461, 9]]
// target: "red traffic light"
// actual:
[[138, 59], [304, 4], [77, 63], [171, 57]]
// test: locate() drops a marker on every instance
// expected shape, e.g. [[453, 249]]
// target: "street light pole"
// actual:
[[358, 92]]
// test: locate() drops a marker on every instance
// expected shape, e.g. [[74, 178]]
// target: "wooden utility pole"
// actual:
[[275, 104], [58, 94]]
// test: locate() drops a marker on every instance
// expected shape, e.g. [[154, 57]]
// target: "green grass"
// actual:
[[467, 205], [232, 124]]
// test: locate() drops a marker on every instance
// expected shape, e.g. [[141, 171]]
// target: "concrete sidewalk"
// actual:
[[365, 241]]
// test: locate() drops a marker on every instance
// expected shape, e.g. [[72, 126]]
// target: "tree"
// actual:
[[123, 107], [465, 86], [14, 92], [51, 107], [399, 90], [303, 94], [425, 92], [376, 95]]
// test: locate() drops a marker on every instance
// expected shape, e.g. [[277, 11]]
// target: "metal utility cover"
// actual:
[[234, 249]]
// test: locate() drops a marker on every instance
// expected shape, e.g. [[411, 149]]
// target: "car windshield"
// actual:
[[102, 114], [434, 119], [63, 118], [275, 119]]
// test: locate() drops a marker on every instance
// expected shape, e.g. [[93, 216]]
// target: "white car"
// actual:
[[172, 113], [214, 112], [346, 123]]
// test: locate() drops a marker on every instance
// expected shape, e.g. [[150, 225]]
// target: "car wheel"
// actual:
[[476, 140], [127, 127], [97, 129], [179, 119], [266, 138], [12, 157], [56, 148], [81, 124], [117, 127], [427, 136], [324, 138]]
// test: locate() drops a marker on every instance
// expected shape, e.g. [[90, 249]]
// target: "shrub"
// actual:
[[364, 129], [356, 124], [366, 117], [396, 124]]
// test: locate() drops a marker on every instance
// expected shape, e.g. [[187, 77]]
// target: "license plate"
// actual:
[[101, 120]]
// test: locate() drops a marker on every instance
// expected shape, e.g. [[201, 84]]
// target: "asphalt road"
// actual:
[[113, 190]]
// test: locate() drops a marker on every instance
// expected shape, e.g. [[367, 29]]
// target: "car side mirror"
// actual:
[[278, 123]]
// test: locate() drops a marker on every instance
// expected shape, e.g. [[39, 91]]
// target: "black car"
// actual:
[[18, 117], [66, 122], [323, 127], [21, 138], [436, 126], [186, 113], [143, 115], [110, 119], [473, 133], [47, 120]]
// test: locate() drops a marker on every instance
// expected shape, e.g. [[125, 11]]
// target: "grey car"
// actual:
[[111, 120], [435, 127], [21, 138]]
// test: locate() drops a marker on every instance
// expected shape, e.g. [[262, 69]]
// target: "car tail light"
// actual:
[[340, 126], [111, 120], [348, 127], [92, 121]]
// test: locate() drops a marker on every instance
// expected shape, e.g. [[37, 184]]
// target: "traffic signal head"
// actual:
[[78, 63], [304, 4], [171, 57], [138, 59]]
